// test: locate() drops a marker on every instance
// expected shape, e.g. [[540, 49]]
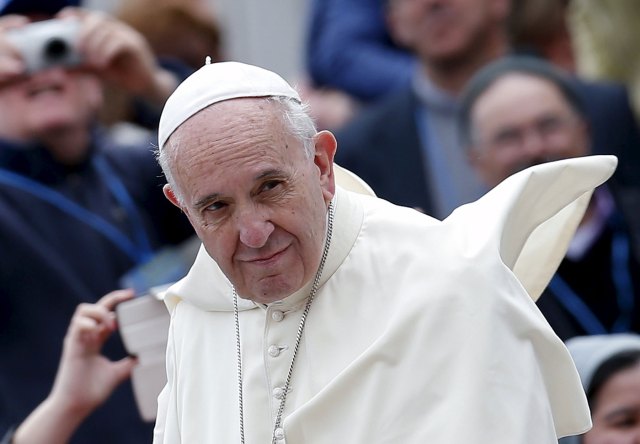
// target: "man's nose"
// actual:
[[254, 228], [534, 143]]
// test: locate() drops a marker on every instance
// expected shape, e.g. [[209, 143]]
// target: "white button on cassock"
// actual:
[[277, 316], [278, 392], [278, 433], [274, 351]]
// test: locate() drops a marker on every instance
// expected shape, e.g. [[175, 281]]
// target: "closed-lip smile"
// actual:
[[265, 259]]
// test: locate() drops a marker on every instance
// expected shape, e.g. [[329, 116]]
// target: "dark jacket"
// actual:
[[51, 261], [382, 146], [605, 280]]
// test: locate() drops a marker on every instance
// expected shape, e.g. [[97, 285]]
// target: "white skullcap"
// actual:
[[216, 82]]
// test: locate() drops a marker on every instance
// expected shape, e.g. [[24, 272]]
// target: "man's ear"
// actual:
[[325, 150], [169, 194]]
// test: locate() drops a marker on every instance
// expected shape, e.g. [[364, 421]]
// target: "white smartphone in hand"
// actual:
[[143, 323]]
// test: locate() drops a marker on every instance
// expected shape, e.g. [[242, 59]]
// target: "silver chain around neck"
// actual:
[[303, 320]]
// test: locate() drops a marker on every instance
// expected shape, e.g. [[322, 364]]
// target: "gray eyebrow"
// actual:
[[205, 200]]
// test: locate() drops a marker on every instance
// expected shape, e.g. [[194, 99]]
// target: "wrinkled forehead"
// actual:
[[231, 146], [216, 83]]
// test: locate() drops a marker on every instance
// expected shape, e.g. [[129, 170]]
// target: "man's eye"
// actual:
[[216, 206], [507, 138], [270, 185], [626, 423]]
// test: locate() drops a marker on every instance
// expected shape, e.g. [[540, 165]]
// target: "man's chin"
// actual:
[[269, 290], [52, 128]]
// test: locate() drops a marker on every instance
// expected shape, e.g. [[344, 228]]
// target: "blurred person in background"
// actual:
[[609, 367], [413, 131], [79, 216], [180, 35], [175, 30], [522, 111], [350, 60], [348, 49], [407, 146], [541, 28]]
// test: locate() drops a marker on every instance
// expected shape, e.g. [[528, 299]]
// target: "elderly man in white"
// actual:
[[314, 314]]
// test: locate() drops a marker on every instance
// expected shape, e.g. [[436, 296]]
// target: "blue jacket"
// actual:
[[348, 48]]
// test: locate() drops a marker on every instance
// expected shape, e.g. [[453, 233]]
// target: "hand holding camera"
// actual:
[[11, 64], [121, 55], [47, 44], [91, 40]]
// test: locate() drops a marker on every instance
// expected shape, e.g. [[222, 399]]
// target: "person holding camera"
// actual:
[[78, 214], [85, 378]]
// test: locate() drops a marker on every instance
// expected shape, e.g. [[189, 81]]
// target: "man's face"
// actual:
[[255, 199], [522, 120], [445, 31], [616, 411], [48, 101]]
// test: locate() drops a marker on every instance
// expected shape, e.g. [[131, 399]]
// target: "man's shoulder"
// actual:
[[409, 249], [391, 224]]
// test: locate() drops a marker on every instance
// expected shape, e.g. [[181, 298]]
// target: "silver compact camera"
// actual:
[[47, 43]]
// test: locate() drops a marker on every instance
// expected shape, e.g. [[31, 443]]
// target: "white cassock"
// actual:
[[421, 332]]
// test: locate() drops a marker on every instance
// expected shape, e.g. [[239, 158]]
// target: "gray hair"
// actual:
[[494, 71], [294, 115]]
